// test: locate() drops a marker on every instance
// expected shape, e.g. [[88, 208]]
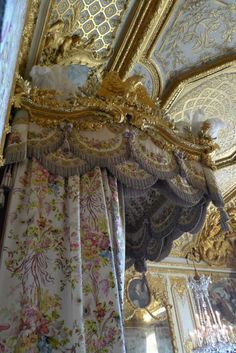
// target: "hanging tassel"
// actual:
[[224, 220], [65, 146], [7, 178], [67, 129], [140, 265], [2, 197]]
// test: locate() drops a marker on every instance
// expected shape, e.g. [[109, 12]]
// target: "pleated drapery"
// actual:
[[62, 264]]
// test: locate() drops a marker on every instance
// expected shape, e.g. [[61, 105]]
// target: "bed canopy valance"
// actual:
[[71, 121]]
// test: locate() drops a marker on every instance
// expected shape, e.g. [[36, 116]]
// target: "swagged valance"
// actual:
[[165, 174]]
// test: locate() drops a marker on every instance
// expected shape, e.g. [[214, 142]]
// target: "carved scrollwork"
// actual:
[[216, 247], [179, 285], [64, 47]]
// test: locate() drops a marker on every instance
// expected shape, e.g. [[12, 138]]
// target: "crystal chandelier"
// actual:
[[211, 335]]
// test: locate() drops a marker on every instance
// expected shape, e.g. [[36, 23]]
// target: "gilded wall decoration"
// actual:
[[158, 295], [197, 32], [179, 285], [140, 69], [99, 19], [216, 247], [211, 245], [179, 244]]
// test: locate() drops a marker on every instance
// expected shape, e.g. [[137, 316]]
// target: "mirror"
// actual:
[[148, 323], [154, 337]]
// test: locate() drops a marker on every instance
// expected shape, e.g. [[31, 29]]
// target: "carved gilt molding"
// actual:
[[216, 247], [147, 21], [179, 285]]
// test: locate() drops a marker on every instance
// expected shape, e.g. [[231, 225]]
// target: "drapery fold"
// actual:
[[62, 264]]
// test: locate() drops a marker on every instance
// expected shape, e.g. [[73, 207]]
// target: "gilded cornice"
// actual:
[[31, 18], [147, 21], [226, 161], [176, 86], [39, 37]]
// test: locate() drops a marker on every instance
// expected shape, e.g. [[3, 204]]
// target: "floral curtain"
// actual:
[[62, 264]]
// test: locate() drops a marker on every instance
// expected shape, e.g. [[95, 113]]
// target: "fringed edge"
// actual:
[[147, 165], [197, 222], [189, 198], [65, 171], [16, 154], [184, 172], [102, 161], [133, 182], [37, 151], [163, 187]]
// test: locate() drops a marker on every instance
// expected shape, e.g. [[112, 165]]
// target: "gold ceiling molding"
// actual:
[[31, 19], [176, 86], [230, 196], [156, 84], [98, 19], [43, 28], [226, 161], [148, 18]]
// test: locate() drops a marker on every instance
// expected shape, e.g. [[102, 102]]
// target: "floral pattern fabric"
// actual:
[[61, 264]]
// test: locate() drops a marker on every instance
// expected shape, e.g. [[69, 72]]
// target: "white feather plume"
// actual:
[[197, 118], [55, 77]]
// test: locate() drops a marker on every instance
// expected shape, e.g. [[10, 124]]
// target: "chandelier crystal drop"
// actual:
[[210, 335]]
